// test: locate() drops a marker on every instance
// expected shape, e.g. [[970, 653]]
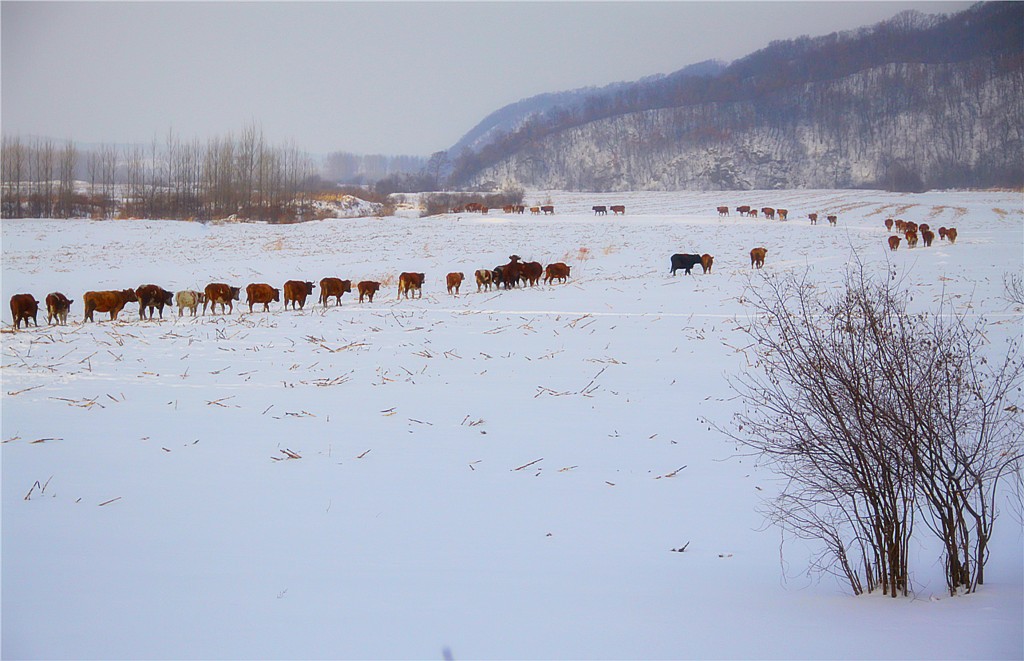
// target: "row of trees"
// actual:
[[170, 178], [878, 418]]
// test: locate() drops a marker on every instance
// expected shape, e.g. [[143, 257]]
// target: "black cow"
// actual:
[[685, 262]]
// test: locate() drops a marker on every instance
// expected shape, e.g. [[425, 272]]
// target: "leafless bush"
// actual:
[[876, 417], [1014, 284]]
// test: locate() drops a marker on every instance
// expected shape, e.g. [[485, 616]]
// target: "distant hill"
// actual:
[[911, 103]]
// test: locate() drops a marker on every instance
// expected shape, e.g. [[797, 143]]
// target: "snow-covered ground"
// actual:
[[490, 475]]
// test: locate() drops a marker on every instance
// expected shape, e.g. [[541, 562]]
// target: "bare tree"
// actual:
[[875, 416]]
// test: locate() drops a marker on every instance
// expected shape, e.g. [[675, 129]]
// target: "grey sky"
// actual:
[[368, 77]]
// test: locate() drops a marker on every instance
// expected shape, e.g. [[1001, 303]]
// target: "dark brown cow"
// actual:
[[768, 213], [832, 220], [558, 270], [757, 256], [752, 213], [190, 299], [152, 296], [616, 209], [367, 288], [531, 273], [723, 211], [218, 292], [813, 217], [454, 281], [901, 226], [927, 236], [951, 234], [510, 272], [942, 233], [782, 213], [706, 261], [474, 207], [296, 291], [335, 287], [599, 210], [910, 227], [107, 301], [743, 210], [410, 282], [484, 279], [547, 209], [888, 224], [518, 208], [894, 242], [23, 308], [261, 292], [924, 226], [57, 308]]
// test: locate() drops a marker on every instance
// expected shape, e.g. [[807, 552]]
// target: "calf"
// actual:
[[951, 234], [296, 291], [260, 292], [218, 292], [558, 270], [894, 242], [832, 220], [57, 308], [942, 233], [23, 308], [927, 236], [616, 209], [410, 282], [757, 256], [484, 278], [335, 287], [600, 210], [107, 301], [782, 213], [454, 281], [152, 296], [813, 217], [706, 261], [367, 288], [888, 224], [684, 261], [723, 211], [188, 298]]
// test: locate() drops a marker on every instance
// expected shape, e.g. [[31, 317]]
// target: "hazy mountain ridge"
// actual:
[[914, 102]]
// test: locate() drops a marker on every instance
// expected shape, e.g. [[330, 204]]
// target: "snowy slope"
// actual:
[[499, 474]]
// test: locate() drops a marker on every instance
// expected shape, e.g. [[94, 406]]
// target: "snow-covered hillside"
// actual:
[[488, 475]]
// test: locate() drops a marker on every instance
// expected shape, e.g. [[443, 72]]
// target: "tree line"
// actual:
[[235, 174]]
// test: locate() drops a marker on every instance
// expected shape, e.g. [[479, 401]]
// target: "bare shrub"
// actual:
[[874, 417]]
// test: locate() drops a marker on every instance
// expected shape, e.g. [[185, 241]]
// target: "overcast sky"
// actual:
[[366, 77]]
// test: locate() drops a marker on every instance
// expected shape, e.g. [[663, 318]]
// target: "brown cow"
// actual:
[[535, 210], [757, 256], [335, 287], [152, 296], [706, 261], [951, 234], [518, 208], [888, 224], [454, 281], [107, 301], [813, 217], [942, 233], [743, 210], [723, 211], [410, 282], [190, 299], [261, 292], [367, 288], [910, 227], [57, 308], [832, 220], [23, 308], [927, 236], [894, 242], [484, 279], [558, 270], [768, 213], [616, 209], [510, 272], [924, 226], [752, 213], [218, 292], [547, 209], [531, 273], [782, 213], [296, 291], [911, 238], [901, 226]]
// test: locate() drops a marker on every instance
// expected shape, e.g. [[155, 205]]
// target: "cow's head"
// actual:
[[277, 295], [130, 295], [235, 292]]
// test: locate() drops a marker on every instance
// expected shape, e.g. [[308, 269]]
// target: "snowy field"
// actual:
[[490, 475]]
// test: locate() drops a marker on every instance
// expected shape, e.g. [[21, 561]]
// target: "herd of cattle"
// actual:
[[24, 307]]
